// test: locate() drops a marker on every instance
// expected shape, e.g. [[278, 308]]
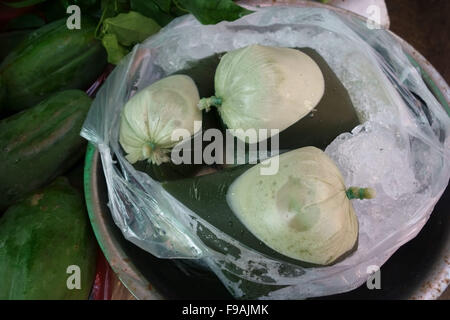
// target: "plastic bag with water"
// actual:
[[401, 148]]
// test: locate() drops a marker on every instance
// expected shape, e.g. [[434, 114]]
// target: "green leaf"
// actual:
[[83, 4], [22, 4], [114, 50], [151, 10], [111, 8], [130, 28], [213, 11], [164, 5], [177, 10]]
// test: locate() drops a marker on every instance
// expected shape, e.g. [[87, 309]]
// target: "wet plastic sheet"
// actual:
[[401, 148]]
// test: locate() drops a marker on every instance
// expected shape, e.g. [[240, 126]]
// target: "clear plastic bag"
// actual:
[[401, 148]]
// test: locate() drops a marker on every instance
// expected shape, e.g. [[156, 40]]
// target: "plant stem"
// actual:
[[207, 103], [360, 193]]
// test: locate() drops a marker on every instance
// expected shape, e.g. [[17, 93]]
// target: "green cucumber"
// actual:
[[40, 237], [50, 59], [40, 143]]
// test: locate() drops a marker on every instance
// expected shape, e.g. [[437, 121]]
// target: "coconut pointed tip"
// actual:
[[147, 150], [370, 193], [152, 153]]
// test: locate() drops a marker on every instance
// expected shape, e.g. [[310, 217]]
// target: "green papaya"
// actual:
[[50, 59], [40, 143], [45, 243]]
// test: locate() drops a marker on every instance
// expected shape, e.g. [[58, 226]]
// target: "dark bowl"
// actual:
[[418, 270]]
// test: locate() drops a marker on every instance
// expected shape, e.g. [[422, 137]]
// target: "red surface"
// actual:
[[102, 288]]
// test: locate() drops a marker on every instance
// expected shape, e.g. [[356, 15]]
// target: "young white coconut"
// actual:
[[151, 116], [261, 87], [304, 211]]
